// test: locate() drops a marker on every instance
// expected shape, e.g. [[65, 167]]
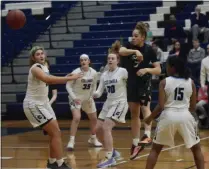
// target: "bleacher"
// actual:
[[91, 33]]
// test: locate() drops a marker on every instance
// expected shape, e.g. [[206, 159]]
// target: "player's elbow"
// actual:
[[48, 80], [122, 51], [157, 70], [161, 106]]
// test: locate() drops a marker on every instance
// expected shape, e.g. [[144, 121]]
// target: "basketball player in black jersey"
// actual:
[[136, 57]]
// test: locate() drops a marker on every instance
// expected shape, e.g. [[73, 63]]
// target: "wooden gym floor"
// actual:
[[24, 147]]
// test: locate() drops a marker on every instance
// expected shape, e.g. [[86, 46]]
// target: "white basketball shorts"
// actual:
[[115, 110], [38, 113], [179, 121], [87, 106]]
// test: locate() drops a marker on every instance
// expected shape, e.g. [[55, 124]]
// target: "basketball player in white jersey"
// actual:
[[37, 107], [177, 99], [80, 97], [115, 107]]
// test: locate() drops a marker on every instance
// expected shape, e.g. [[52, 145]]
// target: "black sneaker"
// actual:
[[64, 166], [51, 166]]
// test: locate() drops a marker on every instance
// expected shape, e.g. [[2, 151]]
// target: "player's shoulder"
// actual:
[[77, 70], [121, 69], [43, 67], [93, 70]]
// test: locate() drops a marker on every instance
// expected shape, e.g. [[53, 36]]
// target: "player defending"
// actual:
[[115, 107], [80, 96], [37, 107], [177, 99]]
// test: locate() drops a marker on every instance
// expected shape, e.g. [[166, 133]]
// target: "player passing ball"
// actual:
[[37, 107]]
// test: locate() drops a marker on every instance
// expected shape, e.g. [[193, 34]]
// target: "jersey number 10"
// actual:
[[179, 94]]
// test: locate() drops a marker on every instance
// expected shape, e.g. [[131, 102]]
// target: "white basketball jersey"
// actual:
[[178, 92], [37, 90], [83, 87], [115, 83]]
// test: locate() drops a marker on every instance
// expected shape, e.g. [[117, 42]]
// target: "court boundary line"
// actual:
[[126, 161], [145, 155]]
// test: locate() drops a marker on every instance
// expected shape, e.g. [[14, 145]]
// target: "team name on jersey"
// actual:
[[86, 80], [107, 82]]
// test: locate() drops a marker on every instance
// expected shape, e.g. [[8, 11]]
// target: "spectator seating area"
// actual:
[[91, 32]]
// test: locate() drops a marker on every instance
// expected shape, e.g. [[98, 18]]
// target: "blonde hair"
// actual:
[[142, 28], [32, 53]]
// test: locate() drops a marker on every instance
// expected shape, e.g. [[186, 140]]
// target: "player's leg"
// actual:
[[135, 129], [76, 113], [108, 144], [189, 131], [164, 135], [56, 149], [39, 116], [198, 156], [90, 108], [153, 155], [147, 133]]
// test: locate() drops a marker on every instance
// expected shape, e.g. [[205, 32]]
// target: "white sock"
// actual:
[[148, 133], [52, 160], [72, 138], [108, 154], [60, 162], [135, 141], [93, 136]]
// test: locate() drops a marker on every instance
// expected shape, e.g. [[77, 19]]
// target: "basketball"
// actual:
[[15, 19]]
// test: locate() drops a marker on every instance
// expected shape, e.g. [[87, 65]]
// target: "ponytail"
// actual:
[[142, 28], [115, 48]]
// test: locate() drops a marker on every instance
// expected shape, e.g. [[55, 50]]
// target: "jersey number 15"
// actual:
[[179, 94]]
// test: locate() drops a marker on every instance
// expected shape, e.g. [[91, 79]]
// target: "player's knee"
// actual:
[[195, 148], [106, 127], [134, 114], [76, 118]]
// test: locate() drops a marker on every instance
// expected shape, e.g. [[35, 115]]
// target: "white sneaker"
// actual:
[[94, 142], [70, 145]]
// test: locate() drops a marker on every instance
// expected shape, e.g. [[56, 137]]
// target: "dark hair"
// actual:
[[180, 66], [141, 27]]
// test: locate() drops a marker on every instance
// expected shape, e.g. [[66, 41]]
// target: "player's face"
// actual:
[[112, 61], [84, 62], [177, 45], [137, 38], [39, 57]]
